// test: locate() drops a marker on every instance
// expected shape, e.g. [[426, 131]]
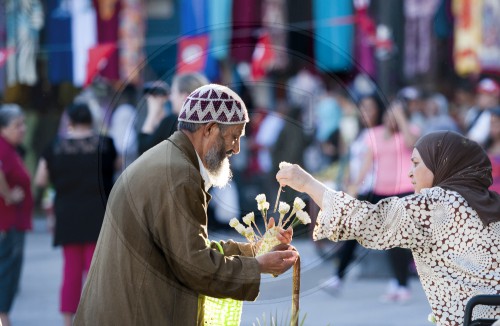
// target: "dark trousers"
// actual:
[[346, 256], [11, 260], [400, 260]]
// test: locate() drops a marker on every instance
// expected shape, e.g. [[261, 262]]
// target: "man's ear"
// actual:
[[209, 128]]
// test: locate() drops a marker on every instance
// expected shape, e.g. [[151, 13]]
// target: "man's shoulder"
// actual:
[[179, 167]]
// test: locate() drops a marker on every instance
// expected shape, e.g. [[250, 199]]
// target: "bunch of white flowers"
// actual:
[[265, 242]]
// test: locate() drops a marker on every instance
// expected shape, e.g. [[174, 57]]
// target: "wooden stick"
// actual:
[[295, 293], [277, 200]]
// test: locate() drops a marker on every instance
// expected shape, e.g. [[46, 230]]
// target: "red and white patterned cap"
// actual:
[[214, 102]]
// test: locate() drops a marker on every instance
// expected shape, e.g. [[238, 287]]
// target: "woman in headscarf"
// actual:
[[451, 223]]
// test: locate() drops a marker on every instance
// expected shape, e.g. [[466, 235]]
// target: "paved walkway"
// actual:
[[37, 302]]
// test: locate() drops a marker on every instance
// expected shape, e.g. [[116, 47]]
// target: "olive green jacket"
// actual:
[[152, 261]]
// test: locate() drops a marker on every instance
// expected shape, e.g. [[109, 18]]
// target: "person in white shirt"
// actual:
[[478, 118]]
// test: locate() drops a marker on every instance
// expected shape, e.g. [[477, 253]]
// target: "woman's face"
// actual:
[[15, 131], [420, 175], [390, 121], [369, 112]]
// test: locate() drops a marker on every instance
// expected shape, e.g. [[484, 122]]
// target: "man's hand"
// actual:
[[284, 236], [277, 262]]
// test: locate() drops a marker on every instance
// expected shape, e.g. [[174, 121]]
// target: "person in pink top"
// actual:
[[16, 205], [389, 150]]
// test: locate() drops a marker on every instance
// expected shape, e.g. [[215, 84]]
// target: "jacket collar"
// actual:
[[181, 141]]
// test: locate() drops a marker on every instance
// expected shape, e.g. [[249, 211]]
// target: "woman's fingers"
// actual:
[[293, 176]]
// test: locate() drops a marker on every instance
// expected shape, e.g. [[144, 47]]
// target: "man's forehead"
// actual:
[[238, 129]]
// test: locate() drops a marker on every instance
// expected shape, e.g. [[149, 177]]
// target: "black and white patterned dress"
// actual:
[[456, 256]]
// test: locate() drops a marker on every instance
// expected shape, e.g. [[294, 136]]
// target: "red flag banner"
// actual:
[[263, 57], [192, 54], [98, 59], [5, 54]]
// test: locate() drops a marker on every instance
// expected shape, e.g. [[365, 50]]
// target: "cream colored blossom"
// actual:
[[263, 206], [234, 222], [298, 204], [249, 218], [249, 233], [283, 208], [241, 229], [260, 198], [303, 217]]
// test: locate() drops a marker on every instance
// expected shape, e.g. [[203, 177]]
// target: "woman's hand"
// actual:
[[294, 177]]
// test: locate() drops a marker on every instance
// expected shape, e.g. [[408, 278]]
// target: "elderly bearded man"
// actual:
[[152, 262]]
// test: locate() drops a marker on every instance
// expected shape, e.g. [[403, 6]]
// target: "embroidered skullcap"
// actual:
[[214, 102]]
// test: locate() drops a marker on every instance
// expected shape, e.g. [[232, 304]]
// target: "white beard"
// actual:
[[221, 177]]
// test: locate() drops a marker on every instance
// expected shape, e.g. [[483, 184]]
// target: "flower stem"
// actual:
[[281, 220], [277, 200], [289, 217], [257, 228]]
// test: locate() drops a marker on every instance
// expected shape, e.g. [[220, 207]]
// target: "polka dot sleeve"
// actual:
[[393, 222]]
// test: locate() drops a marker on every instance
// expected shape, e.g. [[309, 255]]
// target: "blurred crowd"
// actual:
[[347, 133]]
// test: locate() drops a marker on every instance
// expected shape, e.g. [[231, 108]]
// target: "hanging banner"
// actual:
[[263, 57], [98, 60], [468, 36], [132, 32], [334, 34], [220, 23], [195, 27], [489, 53], [108, 17], [58, 41], [192, 54], [83, 37]]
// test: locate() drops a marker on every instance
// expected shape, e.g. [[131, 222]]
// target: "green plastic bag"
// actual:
[[222, 312]]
